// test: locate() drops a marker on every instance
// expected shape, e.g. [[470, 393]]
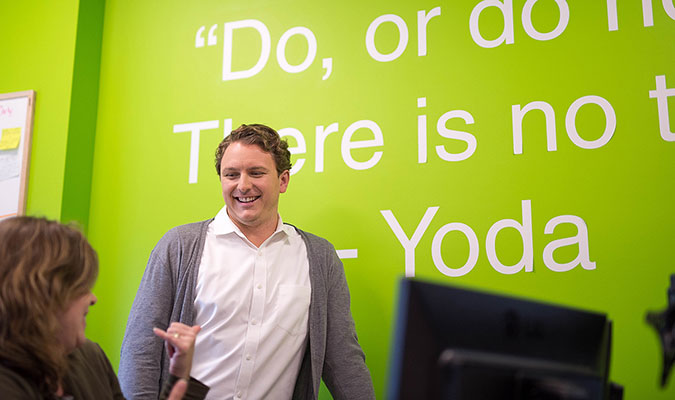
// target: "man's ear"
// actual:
[[284, 177]]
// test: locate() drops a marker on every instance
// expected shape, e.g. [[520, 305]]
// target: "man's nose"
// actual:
[[244, 183]]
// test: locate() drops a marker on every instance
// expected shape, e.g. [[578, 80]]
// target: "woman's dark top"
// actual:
[[90, 376]]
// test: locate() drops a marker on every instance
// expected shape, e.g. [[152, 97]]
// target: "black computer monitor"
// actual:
[[460, 344]]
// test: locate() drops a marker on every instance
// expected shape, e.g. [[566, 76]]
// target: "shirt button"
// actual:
[[259, 286], [248, 357], [239, 394], [254, 321]]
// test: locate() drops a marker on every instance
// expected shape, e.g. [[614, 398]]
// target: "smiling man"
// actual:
[[272, 300]]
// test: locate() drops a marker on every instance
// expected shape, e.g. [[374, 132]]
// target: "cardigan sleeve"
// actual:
[[141, 362], [344, 371]]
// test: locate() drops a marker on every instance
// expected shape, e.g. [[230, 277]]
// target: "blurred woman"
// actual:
[[47, 271]]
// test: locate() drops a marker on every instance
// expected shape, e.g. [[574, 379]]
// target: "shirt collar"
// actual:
[[223, 225]]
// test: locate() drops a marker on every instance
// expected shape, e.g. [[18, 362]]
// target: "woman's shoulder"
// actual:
[[88, 355], [16, 386], [88, 348], [90, 374]]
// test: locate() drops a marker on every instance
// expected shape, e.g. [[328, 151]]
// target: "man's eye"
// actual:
[[229, 175]]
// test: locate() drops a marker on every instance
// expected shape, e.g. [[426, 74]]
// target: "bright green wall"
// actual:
[[53, 47], [38, 54], [83, 112], [152, 77]]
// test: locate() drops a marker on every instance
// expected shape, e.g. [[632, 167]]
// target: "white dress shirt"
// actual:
[[253, 306]]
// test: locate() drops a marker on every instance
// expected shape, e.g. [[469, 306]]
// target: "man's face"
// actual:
[[251, 186]]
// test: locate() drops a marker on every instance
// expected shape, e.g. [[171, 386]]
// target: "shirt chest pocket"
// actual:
[[292, 309]]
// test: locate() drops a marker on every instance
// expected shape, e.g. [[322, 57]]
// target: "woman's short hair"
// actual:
[[44, 266], [262, 136]]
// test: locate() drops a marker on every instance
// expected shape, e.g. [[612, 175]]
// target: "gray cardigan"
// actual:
[[167, 293]]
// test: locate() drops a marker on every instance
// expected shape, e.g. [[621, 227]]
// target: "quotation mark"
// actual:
[[199, 38]]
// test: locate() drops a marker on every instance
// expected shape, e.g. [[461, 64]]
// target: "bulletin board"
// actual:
[[16, 127]]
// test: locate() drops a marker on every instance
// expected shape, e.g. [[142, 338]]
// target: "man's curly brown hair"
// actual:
[[262, 136]]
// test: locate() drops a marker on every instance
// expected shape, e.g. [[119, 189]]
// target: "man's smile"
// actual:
[[248, 199]]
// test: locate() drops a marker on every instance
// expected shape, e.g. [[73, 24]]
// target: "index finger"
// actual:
[[161, 333]]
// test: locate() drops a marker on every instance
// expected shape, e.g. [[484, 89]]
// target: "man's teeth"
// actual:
[[247, 199]]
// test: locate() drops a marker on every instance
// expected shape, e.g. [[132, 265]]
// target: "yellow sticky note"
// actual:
[[10, 138]]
